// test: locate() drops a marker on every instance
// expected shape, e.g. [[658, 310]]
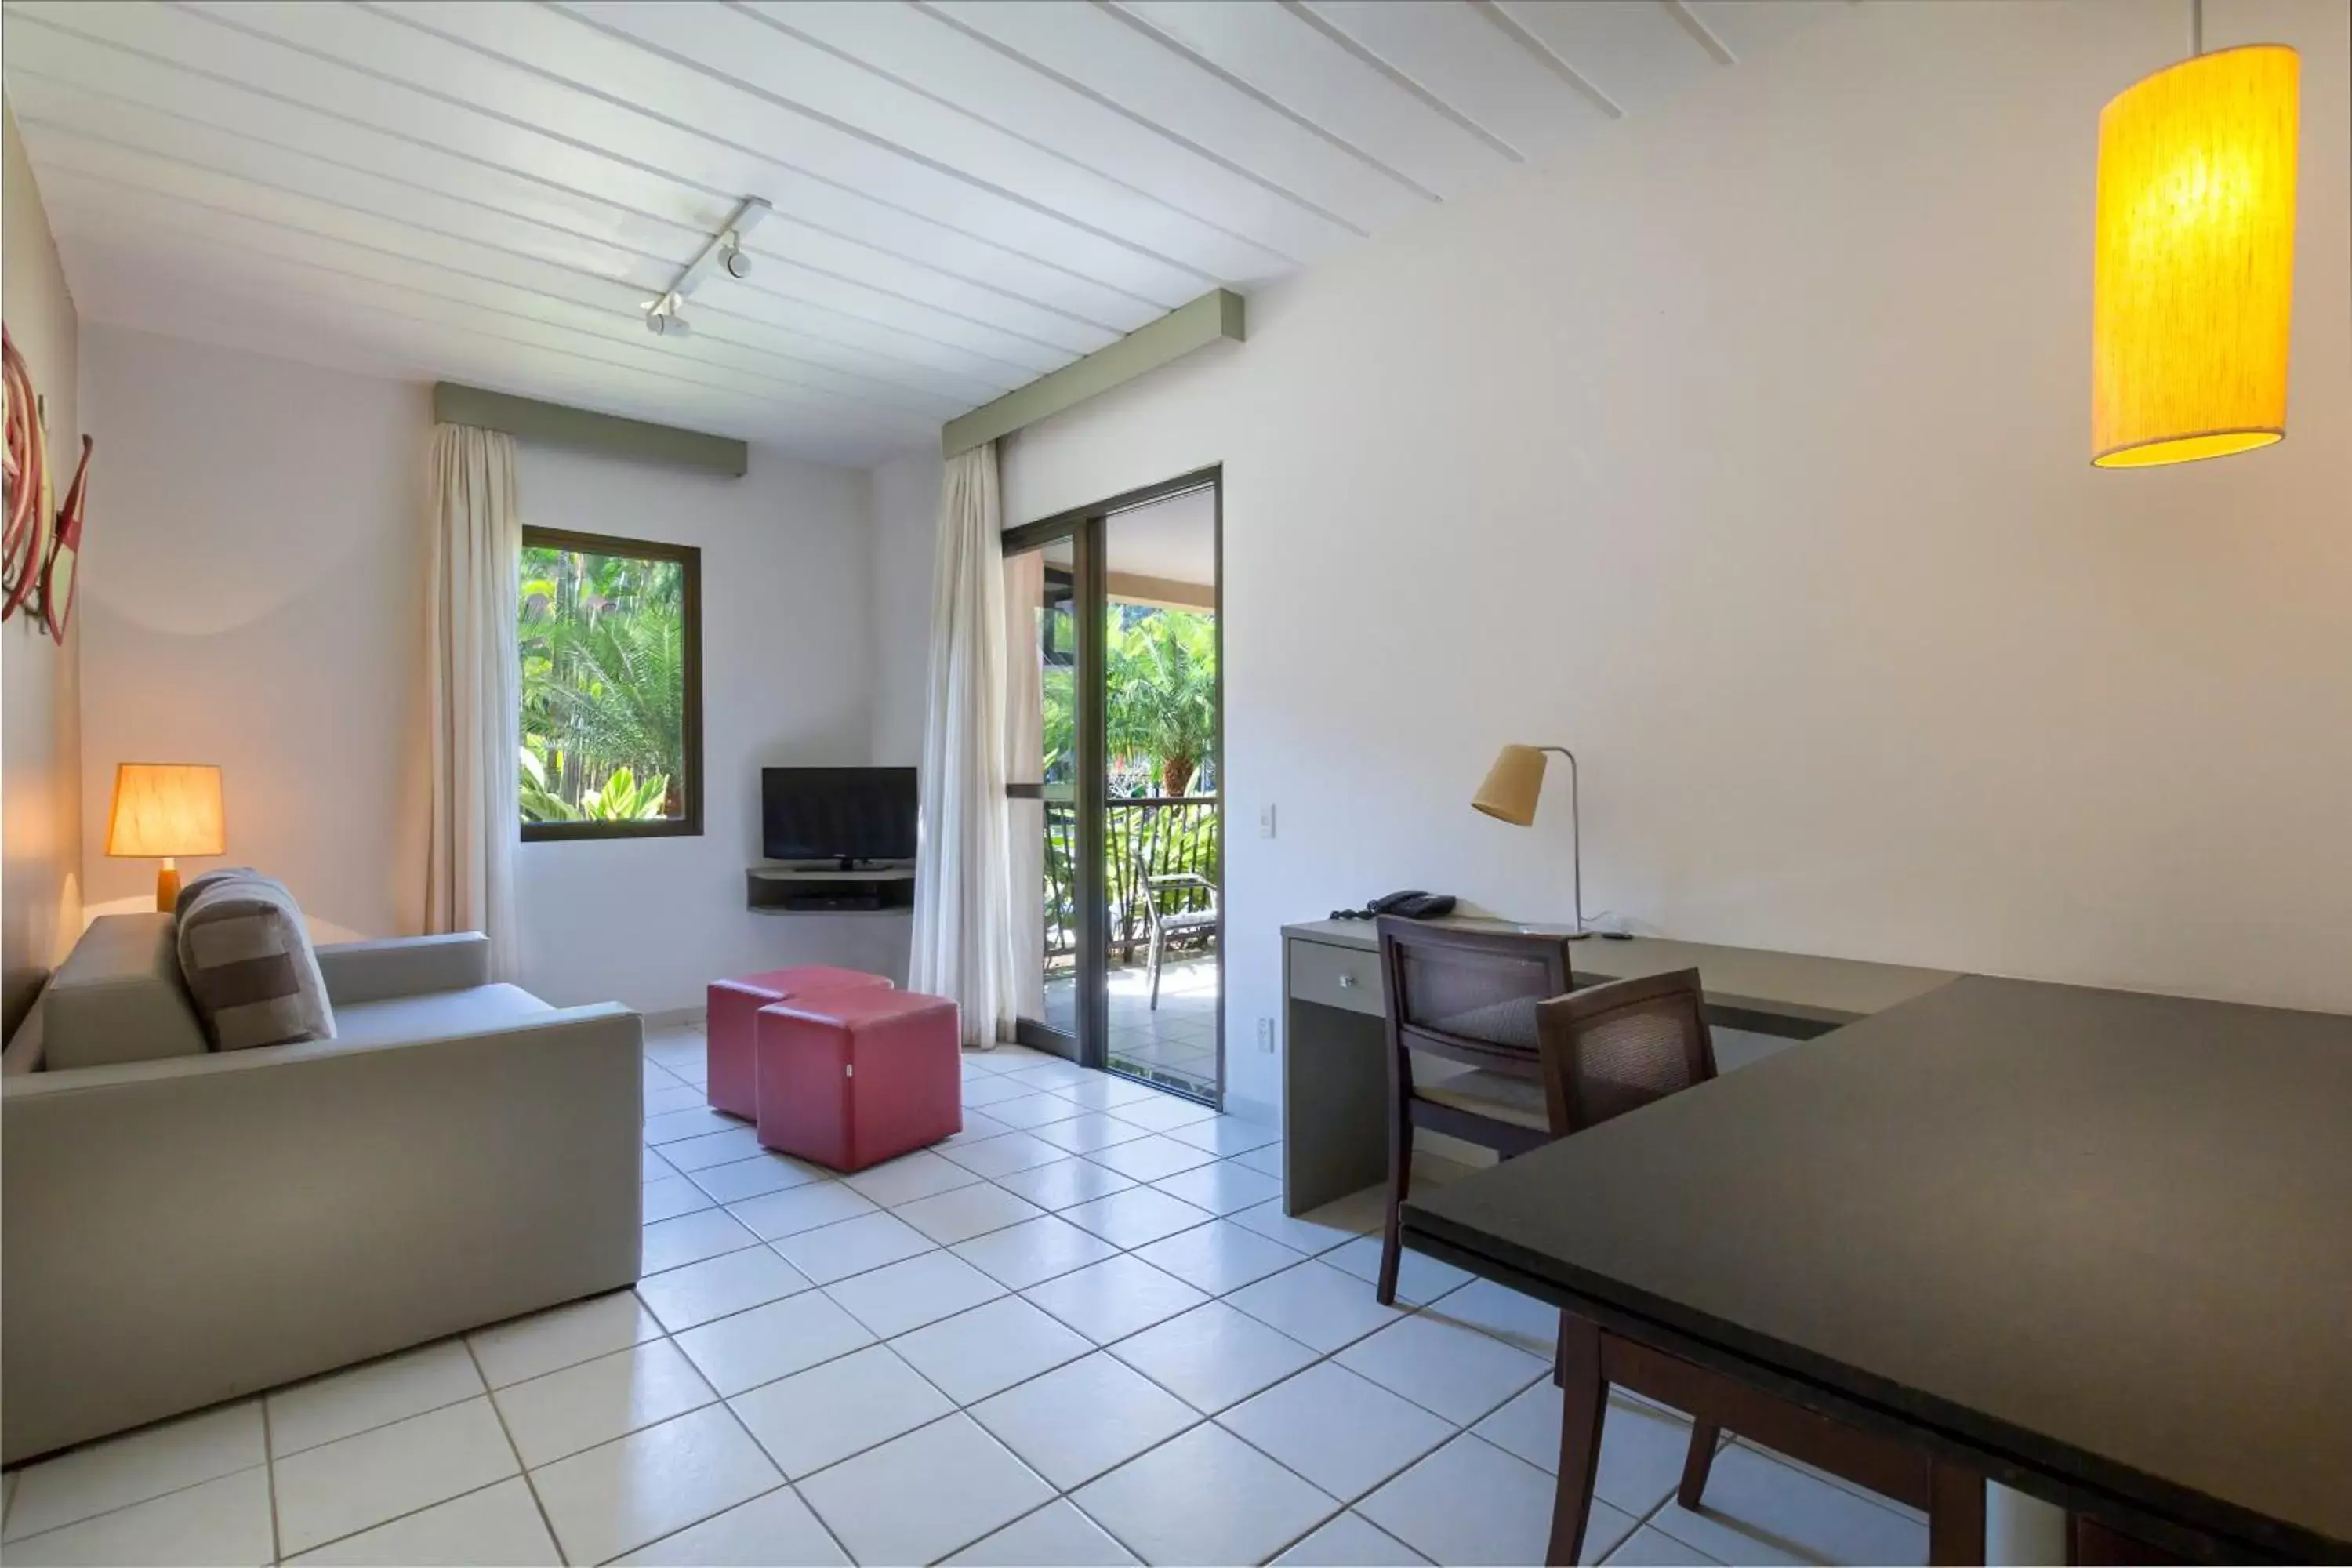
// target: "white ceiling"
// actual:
[[1175, 540], [968, 193]]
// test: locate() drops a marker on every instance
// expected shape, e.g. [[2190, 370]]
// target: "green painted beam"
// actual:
[[1214, 316], [554, 425]]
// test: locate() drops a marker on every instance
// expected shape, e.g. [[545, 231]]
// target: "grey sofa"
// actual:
[[180, 1225]]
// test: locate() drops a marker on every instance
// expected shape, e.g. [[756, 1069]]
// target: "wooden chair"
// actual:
[[1467, 997], [1616, 1048]]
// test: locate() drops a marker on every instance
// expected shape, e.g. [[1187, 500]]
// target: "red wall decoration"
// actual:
[[43, 542]]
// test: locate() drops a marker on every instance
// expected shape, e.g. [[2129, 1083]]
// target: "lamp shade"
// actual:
[[2195, 260], [164, 809], [1513, 786]]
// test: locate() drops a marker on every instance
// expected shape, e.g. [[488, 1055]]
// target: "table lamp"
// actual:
[[1513, 787], [166, 809]]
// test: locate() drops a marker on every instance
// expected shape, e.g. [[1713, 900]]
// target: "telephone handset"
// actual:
[[1410, 903]]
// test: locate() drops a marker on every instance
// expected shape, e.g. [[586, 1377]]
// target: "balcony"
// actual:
[[1174, 1043]]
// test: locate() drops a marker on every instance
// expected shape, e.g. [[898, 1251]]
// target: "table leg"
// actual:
[[1956, 1514], [1584, 1403]]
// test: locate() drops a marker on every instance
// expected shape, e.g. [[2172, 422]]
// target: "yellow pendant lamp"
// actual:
[[2195, 262]]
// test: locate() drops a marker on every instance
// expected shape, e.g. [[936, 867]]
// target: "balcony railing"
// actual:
[[1157, 836]]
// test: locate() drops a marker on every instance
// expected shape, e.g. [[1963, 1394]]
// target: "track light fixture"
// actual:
[[724, 249]]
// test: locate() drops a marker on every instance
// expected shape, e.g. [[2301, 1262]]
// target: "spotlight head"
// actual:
[[737, 264], [656, 322]]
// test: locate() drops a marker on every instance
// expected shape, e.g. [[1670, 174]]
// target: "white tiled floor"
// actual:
[[1004, 1351], [1176, 1041]]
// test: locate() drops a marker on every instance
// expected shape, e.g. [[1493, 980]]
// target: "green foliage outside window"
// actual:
[[604, 687], [1160, 702]]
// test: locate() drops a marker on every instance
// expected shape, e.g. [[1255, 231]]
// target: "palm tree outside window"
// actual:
[[610, 635]]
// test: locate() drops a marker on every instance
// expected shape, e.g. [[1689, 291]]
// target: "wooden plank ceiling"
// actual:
[[967, 193]]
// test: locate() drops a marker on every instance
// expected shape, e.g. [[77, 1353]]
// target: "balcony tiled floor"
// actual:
[[1176, 1042], [997, 1352]]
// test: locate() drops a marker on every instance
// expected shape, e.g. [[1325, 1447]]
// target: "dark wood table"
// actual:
[[2094, 1245]]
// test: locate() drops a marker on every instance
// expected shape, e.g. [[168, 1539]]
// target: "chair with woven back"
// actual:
[[1468, 999], [1614, 1048]]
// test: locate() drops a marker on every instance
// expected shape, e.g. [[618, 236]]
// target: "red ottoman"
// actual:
[[734, 1003], [853, 1078]]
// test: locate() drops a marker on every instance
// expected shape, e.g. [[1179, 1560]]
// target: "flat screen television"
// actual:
[[837, 814]]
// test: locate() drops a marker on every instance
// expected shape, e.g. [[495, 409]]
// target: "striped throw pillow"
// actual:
[[246, 956]]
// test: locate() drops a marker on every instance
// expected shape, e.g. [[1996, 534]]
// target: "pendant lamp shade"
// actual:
[[2195, 262], [1513, 786]]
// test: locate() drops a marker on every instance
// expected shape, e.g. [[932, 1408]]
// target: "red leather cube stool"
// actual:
[[853, 1078], [734, 1003]]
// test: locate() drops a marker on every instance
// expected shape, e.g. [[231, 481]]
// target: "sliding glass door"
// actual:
[[1114, 727], [1162, 844]]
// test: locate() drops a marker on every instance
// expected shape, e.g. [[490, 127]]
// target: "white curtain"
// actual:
[[962, 938], [474, 684], [1025, 763]]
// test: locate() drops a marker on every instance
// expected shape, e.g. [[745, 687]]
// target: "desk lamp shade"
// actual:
[[2195, 259], [1513, 786], [164, 810]]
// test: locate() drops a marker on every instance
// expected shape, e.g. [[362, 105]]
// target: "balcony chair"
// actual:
[[1167, 924]]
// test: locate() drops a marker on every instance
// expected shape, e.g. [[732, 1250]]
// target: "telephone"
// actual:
[[1410, 904]]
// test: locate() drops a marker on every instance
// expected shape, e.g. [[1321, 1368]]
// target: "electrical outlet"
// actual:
[[1265, 820], [1265, 1036]]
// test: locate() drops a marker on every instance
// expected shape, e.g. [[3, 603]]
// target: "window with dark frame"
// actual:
[[609, 632]]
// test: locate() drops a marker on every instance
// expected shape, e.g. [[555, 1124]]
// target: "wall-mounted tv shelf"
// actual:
[[822, 887]]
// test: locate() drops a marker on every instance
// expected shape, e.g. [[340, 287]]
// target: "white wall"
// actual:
[[254, 598], [1744, 450], [785, 623], [40, 747], [904, 534]]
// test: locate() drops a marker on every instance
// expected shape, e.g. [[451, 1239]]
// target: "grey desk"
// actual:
[[2094, 1245], [1335, 1075]]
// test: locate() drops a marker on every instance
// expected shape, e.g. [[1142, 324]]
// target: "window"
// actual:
[[610, 636]]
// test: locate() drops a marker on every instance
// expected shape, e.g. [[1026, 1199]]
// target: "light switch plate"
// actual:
[[1266, 820]]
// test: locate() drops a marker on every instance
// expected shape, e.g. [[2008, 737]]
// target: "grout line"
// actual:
[[498, 1412], [17, 1542], [412, 1513], [269, 1462]]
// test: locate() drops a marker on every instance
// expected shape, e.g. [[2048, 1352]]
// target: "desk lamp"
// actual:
[[166, 809], [1513, 787]]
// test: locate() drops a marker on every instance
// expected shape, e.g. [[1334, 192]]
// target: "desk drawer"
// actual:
[[1336, 976]]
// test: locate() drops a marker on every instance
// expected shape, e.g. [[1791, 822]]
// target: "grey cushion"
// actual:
[[245, 955], [1495, 1095], [436, 1014], [118, 998], [196, 885]]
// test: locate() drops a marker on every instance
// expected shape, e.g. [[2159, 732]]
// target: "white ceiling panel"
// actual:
[[1639, 52], [1276, 52], [1748, 29], [932, 56], [105, 77], [608, 57], [802, 377], [1176, 256], [1088, 48], [1453, 54], [966, 194]]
